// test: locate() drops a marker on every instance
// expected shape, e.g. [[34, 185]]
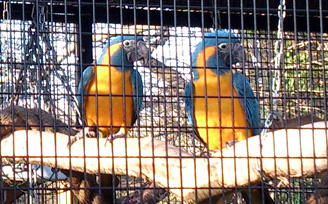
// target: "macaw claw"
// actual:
[[231, 143], [79, 135], [111, 138]]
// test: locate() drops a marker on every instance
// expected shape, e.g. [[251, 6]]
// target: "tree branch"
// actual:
[[171, 167]]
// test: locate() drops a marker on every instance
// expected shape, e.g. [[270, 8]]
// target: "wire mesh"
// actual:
[[47, 45]]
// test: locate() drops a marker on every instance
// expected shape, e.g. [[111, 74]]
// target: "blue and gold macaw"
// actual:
[[110, 92], [110, 99], [220, 103]]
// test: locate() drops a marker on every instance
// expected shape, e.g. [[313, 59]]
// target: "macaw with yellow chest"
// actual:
[[110, 92], [110, 99], [220, 103]]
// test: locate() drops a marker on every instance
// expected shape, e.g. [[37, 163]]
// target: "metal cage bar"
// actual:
[[79, 68]]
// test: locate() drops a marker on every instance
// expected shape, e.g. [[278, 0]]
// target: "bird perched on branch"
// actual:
[[110, 96], [110, 92], [220, 103]]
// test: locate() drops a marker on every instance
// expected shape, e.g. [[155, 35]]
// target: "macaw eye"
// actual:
[[223, 46], [126, 43]]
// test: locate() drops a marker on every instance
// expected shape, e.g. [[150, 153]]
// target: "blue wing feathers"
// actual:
[[136, 83], [83, 83], [137, 93], [248, 101], [189, 103]]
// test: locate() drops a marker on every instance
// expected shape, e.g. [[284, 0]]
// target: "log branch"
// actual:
[[282, 153]]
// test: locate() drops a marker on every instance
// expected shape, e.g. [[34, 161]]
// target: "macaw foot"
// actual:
[[111, 138], [88, 132], [231, 143], [209, 153]]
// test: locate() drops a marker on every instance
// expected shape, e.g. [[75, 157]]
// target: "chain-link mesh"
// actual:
[[48, 46]]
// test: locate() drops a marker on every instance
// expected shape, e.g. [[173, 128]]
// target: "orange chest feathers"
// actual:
[[218, 113], [109, 104]]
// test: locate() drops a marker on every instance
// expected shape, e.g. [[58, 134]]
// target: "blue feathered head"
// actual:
[[132, 48], [217, 51]]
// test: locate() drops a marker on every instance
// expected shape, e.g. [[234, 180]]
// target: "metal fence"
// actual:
[[46, 45]]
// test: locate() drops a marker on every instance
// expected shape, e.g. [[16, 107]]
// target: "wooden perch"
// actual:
[[181, 172]]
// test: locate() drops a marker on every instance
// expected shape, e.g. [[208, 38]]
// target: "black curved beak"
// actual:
[[143, 51], [237, 54], [139, 52]]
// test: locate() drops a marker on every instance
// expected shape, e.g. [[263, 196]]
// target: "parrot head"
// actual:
[[131, 48], [218, 51], [135, 50]]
